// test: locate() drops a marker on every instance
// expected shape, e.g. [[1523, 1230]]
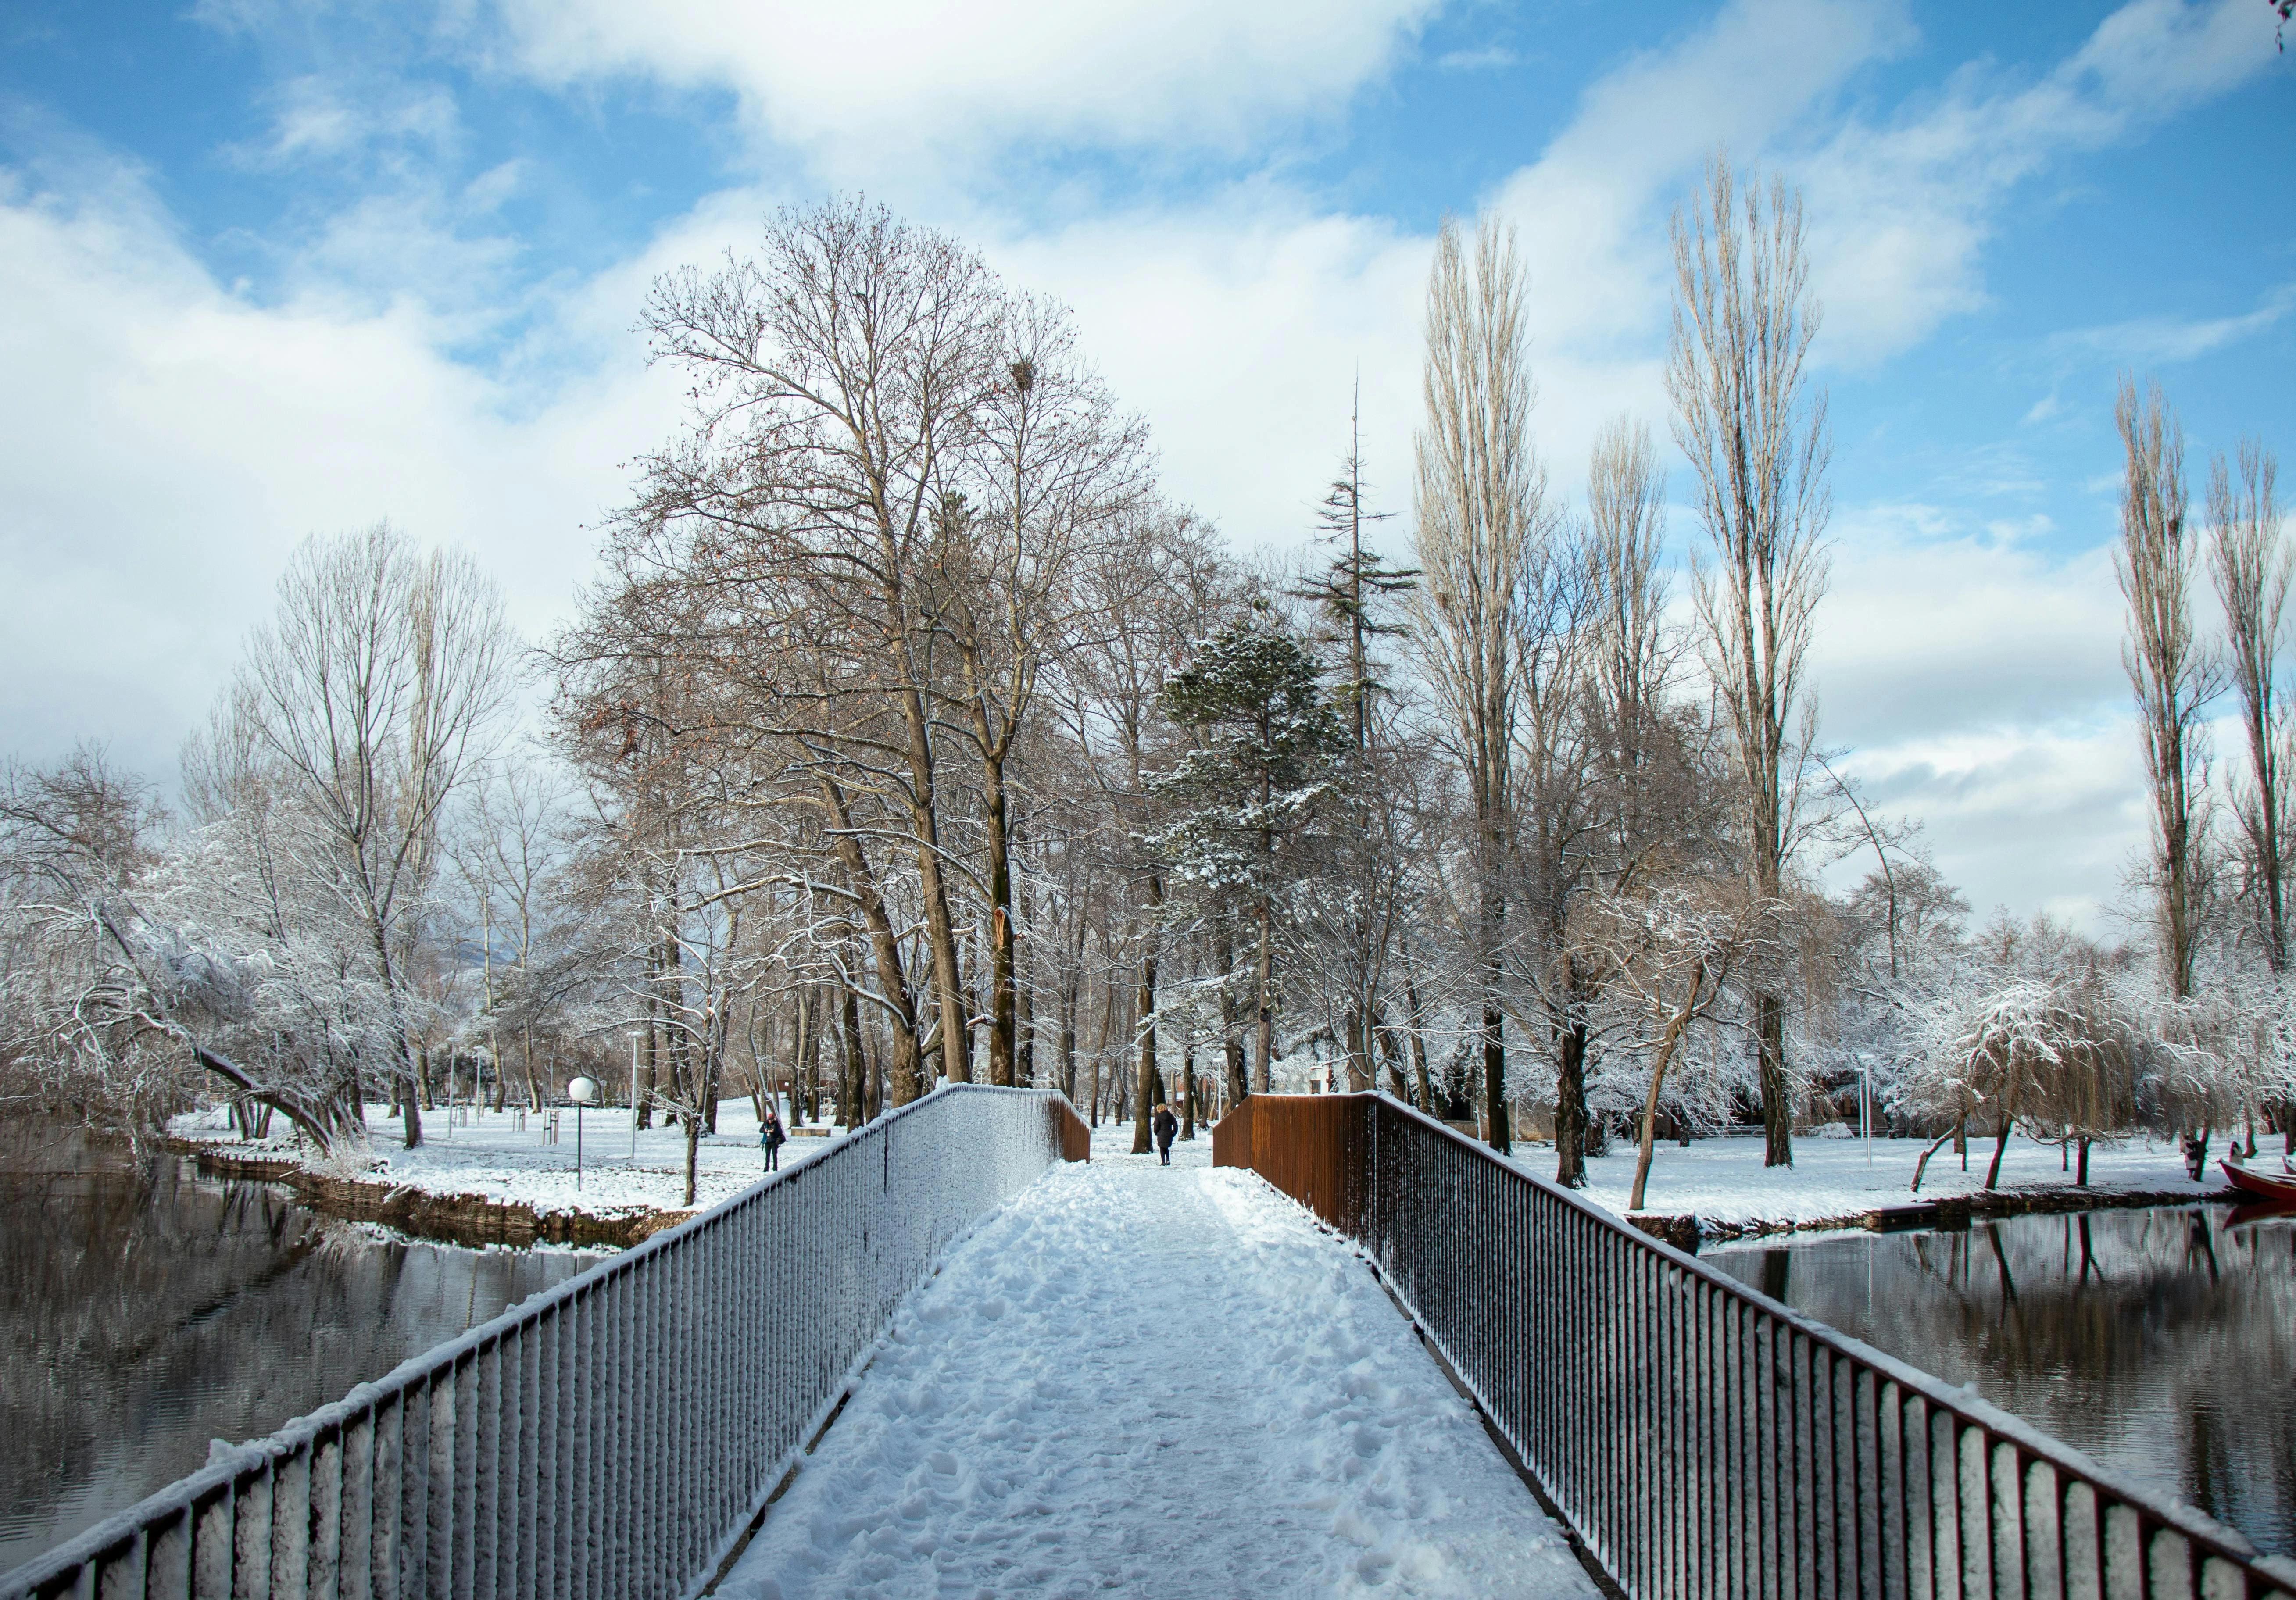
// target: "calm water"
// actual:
[[146, 1310], [2161, 1342]]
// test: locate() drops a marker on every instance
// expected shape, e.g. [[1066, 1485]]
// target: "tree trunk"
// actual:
[[1777, 1103], [1003, 1020], [941, 928], [1495, 1103], [1070, 984], [649, 1080], [1419, 1045], [1263, 1000], [1188, 1091], [2001, 1144], [905, 1071], [1024, 1069], [1674, 1027], [1231, 1032], [1151, 1081], [1570, 1107]]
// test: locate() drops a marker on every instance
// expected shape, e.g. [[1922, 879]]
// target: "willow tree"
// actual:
[[1755, 434]]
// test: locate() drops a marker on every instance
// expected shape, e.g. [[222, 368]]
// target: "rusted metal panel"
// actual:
[[1075, 1136], [1310, 1146]]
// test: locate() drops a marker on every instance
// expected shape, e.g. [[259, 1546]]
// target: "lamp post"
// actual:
[[582, 1092], [1865, 1109]]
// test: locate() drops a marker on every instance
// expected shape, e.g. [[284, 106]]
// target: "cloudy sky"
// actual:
[[269, 267]]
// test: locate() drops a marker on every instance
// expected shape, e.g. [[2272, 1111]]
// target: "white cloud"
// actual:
[[320, 118], [170, 443], [1978, 681], [864, 84], [2182, 338], [1590, 207], [1485, 58], [1238, 329], [170, 446], [1900, 211]]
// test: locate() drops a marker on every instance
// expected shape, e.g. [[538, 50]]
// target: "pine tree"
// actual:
[[1346, 592], [1255, 785]]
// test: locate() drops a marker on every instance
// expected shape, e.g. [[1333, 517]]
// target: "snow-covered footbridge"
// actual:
[[942, 1358], [1163, 1380]]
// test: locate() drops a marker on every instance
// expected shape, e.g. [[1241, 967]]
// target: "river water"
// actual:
[[2161, 1342], [146, 1310]]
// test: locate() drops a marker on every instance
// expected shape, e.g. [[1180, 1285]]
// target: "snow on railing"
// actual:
[[1702, 1439], [612, 1435]]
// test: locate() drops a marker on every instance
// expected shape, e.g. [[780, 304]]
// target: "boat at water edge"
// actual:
[[2261, 1185]]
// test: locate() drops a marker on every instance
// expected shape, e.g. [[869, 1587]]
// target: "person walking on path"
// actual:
[[1167, 1127], [771, 1135]]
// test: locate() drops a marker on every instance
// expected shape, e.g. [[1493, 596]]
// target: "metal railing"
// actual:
[[1701, 1439], [610, 1436]]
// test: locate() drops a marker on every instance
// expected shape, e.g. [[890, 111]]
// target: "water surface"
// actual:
[[2161, 1342], [146, 1310]]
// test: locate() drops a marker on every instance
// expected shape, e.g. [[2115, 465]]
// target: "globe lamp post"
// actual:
[[582, 1092]]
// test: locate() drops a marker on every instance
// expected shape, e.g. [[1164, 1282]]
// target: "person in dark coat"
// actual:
[[1167, 1129], [772, 1136]]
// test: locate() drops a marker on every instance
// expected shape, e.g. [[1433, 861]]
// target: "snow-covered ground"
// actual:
[[493, 1156], [1723, 1180], [1160, 1381]]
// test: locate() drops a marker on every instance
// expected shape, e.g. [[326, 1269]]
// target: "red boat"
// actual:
[[2262, 1186]]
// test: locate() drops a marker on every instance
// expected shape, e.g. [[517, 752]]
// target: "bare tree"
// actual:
[[839, 378], [2172, 672], [1671, 951], [2252, 563], [1481, 520], [1756, 438], [377, 691], [1060, 467]]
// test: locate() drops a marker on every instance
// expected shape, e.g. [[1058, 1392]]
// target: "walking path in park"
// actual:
[[1154, 1380]]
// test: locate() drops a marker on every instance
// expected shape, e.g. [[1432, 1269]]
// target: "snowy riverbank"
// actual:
[[1835, 1181], [500, 1158]]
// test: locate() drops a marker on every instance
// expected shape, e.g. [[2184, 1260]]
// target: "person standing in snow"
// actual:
[[1167, 1127], [771, 1135]]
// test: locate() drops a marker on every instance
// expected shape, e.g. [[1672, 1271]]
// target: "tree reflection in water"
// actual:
[[2161, 1342], [148, 1310]]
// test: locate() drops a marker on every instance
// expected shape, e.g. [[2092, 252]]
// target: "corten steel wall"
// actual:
[[1702, 1439], [1310, 1146], [606, 1438]]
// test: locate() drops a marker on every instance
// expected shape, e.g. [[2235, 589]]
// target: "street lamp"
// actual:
[[582, 1092], [1865, 1109]]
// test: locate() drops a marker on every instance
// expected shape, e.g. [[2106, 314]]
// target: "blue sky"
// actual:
[[269, 267]]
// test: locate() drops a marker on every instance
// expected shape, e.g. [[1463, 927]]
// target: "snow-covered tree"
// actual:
[[1247, 795]]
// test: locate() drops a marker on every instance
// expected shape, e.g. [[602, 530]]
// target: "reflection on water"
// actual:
[[2162, 1341], [146, 1310]]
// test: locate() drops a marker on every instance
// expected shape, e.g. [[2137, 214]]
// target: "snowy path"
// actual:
[[1161, 1381]]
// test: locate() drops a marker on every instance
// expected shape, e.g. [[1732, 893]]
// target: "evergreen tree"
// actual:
[[1267, 764]]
